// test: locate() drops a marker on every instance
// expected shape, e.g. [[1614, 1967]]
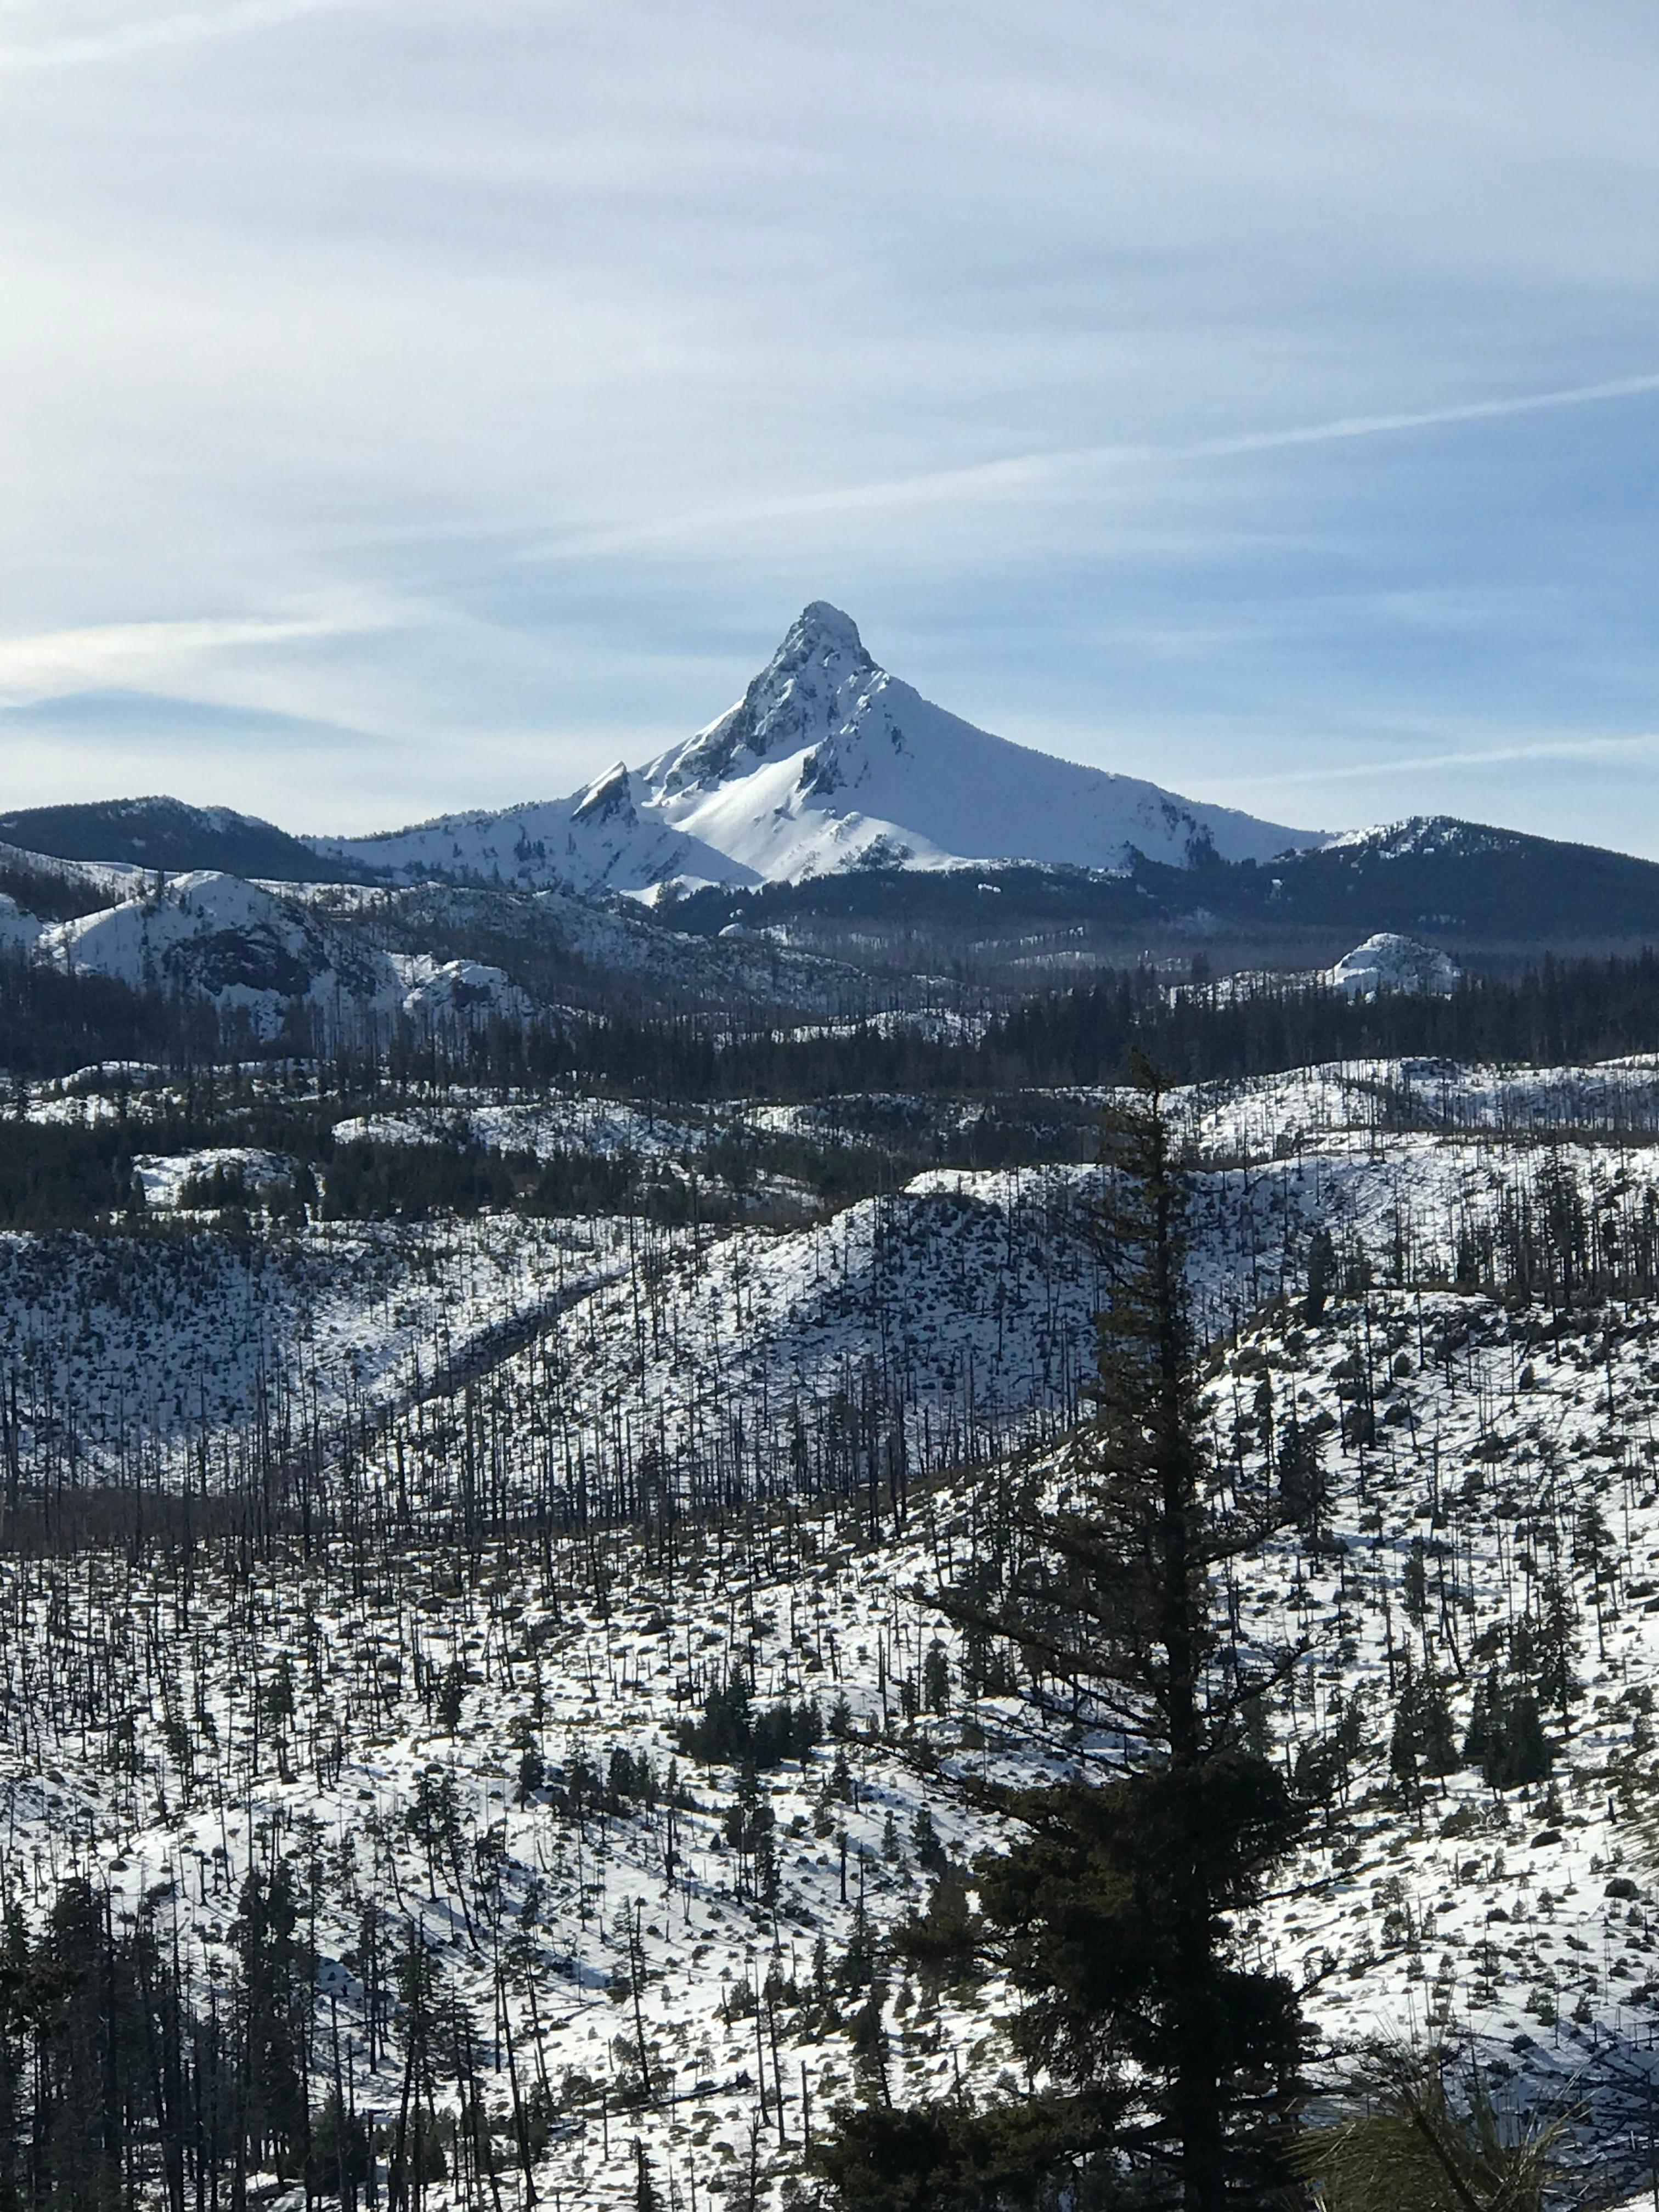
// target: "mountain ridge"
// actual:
[[159, 832]]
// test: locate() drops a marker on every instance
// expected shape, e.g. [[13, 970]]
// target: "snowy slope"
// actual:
[[1473, 1444], [1389, 962], [827, 762], [600, 953], [177, 1341], [249, 950], [1520, 1923], [19, 932], [959, 1306], [1385, 961], [608, 838], [346, 951], [457, 990], [100, 881]]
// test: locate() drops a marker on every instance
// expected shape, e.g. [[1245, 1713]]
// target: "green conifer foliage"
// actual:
[[1163, 2067]]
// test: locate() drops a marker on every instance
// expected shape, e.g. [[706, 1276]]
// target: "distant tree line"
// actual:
[[1560, 1011]]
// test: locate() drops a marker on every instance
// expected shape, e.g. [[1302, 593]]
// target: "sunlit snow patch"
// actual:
[[1391, 963]]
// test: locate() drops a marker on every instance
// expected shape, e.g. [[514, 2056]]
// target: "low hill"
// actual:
[[164, 833]]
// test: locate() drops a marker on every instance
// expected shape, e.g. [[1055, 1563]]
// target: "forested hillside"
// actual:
[[540, 1601]]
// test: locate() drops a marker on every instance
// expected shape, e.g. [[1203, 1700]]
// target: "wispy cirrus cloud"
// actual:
[[1425, 418], [111, 655], [128, 33], [1636, 748]]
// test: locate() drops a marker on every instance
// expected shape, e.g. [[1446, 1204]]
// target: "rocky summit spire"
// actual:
[[820, 627], [822, 652], [798, 699]]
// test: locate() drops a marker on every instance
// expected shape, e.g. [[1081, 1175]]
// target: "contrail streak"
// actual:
[[1538, 749], [1428, 418], [1020, 470]]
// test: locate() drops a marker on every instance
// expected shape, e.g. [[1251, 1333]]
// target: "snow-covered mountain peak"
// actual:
[[827, 762], [822, 628], [813, 685], [1421, 836]]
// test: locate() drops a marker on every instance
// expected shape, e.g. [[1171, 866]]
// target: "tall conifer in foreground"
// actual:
[[1164, 2069]]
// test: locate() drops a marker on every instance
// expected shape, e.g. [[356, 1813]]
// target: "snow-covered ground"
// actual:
[[1524, 1921], [352, 954], [1389, 962], [257, 950], [878, 1379], [177, 1350], [166, 1178], [954, 1310], [548, 1129], [1255, 1117]]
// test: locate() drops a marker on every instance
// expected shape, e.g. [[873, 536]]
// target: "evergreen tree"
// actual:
[[340, 2153], [1304, 1486], [1322, 1274], [1479, 1734], [1434, 1716], [647, 2197], [1556, 1643], [81, 2116], [275, 1974], [452, 1696], [1526, 1755], [942, 1943], [931, 1855], [1506, 1739], [1168, 2068], [1410, 2144], [1422, 1740]]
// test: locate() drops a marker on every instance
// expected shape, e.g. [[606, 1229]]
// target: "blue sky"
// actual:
[[408, 405]]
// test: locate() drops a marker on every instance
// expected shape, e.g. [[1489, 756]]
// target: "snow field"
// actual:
[[170, 1351], [183, 1777], [1451, 1908], [1481, 1453], [954, 1314]]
